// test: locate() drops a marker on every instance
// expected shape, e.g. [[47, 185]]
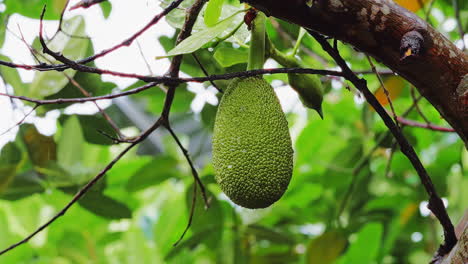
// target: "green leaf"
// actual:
[[343, 163], [51, 82], [3, 24], [226, 57], [91, 126], [172, 219], [12, 77], [158, 170], [368, 238], [106, 8], [190, 242], [41, 149], [10, 158], [23, 185], [33, 8], [200, 38], [70, 144], [208, 115], [326, 248], [176, 18], [203, 219], [105, 206], [272, 235], [213, 12]]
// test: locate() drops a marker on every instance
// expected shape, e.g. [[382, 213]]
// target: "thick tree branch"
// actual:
[[377, 28], [435, 202]]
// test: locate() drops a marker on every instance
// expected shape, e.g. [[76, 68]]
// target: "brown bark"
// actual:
[[435, 66], [459, 254]]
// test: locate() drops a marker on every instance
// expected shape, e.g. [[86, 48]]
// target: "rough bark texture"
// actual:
[[459, 254], [438, 69]]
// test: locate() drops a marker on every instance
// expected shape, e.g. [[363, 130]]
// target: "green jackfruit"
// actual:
[[252, 149], [310, 90]]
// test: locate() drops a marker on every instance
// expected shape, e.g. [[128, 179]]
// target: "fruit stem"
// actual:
[[302, 33], [257, 43], [280, 57]]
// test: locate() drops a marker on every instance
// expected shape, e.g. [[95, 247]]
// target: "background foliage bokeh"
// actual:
[[352, 198]]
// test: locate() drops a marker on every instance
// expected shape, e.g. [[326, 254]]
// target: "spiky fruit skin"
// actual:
[[252, 149]]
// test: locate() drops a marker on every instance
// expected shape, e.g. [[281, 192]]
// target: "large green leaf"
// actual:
[[23, 185], [213, 12], [366, 246], [72, 47], [41, 149], [33, 8], [200, 38], [326, 248], [105, 206], [106, 7], [12, 77], [172, 219], [206, 218], [70, 144], [227, 57], [4, 23], [10, 158], [158, 170], [93, 126]]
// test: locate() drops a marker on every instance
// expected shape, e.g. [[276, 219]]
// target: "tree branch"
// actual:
[[436, 204], [377, 28]]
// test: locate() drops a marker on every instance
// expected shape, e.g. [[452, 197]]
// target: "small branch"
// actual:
[[387, 94], [80, 100], [418, 109], [206, 72], [177, 80], [380, 72], [85, 188], [61, 19], [192, 213], [127, 42], [21, 121], [86, 4], [196, 177], [429, 126]]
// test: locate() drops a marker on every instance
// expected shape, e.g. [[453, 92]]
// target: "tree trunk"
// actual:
[[394, 36], [459, 254]]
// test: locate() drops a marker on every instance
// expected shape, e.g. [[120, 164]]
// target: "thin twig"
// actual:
[[177, 80], [418, 109], [125, 43], [196, 177], [103, 172], [86, 4], [205, 72], [20, 121], [75, 84], [429, 126], [144, 58], [382, 83], [192, 213], [84, 189]]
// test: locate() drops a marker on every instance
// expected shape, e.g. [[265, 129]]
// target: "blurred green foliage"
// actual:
[[354, 197]]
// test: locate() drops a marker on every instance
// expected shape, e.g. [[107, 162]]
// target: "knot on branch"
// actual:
[[411, 45]]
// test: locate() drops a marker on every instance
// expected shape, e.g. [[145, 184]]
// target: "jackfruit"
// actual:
[[310, 90], [252, 149]]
